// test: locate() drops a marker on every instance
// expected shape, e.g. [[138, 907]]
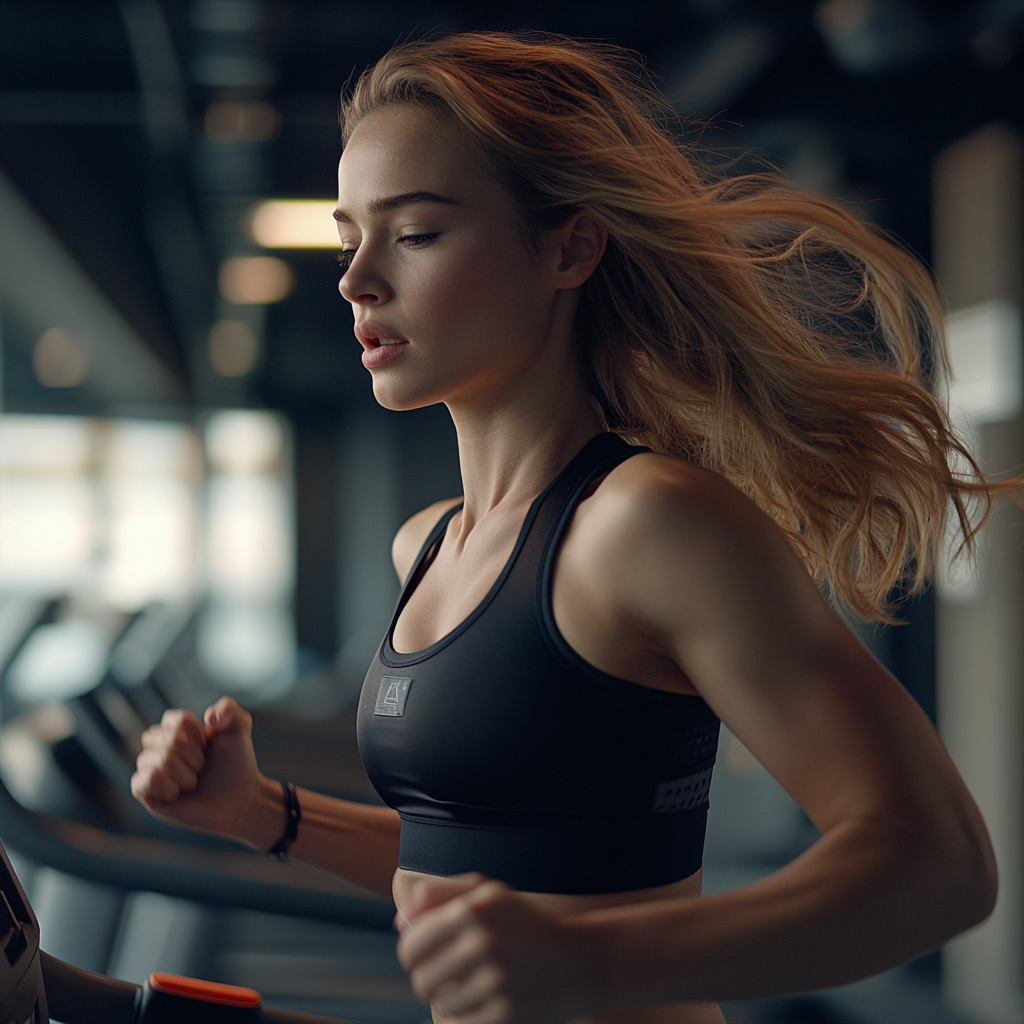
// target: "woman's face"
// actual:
[[450, 304]]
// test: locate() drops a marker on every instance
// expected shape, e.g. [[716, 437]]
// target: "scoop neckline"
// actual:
[[397, 659], [394, 658]]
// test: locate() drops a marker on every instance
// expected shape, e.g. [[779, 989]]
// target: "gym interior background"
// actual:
[[197, 491]]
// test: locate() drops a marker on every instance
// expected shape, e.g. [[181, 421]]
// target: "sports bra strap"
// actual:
[[425, 557]]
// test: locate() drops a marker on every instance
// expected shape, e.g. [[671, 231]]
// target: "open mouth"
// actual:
[[381, 351]]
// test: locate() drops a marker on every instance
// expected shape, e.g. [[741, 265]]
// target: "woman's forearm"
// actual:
[[356, 841], [871, 894]]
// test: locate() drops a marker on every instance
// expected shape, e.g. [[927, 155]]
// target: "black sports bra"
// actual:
[[504, 752]]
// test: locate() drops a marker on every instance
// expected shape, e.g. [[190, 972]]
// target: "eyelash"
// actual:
[[346, 256], [414, 240]]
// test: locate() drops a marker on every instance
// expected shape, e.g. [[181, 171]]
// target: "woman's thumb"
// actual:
[[224, 716], [431, 892]]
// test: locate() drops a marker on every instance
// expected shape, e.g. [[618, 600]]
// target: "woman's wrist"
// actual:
[[623, 964], [596, 941], [264, 820]]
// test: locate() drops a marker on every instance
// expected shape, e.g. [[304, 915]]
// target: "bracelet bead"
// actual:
[[293, 815]]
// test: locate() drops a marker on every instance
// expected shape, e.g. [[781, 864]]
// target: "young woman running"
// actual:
[[684, 407]]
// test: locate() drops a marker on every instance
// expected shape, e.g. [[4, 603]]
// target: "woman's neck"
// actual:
[[510, 451], [517, 430]]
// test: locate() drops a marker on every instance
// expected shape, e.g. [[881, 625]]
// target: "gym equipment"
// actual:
[[100, 835], [35, 987]]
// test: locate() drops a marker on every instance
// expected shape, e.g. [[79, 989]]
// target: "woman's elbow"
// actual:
[[972, 881], [983, 879]]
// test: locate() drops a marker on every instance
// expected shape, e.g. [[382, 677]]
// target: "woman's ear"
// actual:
[[580, 244]]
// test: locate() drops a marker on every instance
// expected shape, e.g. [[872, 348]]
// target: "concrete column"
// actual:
[[980, 627]]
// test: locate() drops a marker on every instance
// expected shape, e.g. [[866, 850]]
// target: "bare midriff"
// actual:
[[674, 1013]]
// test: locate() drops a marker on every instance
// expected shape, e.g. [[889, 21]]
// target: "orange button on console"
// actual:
[[208, 991]]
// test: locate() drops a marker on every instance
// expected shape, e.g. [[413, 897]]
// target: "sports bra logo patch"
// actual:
[[392, 696], [682, 794]]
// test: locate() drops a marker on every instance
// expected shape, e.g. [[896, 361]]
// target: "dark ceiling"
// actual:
[[103, 108]]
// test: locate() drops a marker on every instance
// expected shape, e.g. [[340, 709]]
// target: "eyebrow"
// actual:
[[394, 202]]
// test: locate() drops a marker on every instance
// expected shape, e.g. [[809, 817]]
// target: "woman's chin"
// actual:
[[399, 399]]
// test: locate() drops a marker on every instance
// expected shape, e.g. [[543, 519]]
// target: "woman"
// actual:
[[523, 242]]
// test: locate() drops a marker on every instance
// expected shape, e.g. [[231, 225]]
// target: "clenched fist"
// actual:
[[200, 775], [483, 953]]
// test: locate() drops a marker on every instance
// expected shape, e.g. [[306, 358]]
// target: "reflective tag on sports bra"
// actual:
[[392, 696], [682, 794]]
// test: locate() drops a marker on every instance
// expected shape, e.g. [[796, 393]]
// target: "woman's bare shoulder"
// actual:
[[413, 532], [652, 488], [655, 522]]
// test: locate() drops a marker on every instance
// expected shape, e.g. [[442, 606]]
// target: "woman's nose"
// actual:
[[361, 285]]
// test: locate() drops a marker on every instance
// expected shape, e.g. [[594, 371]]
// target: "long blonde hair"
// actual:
[[739, 323]]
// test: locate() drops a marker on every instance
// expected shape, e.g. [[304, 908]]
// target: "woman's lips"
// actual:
[[382, 351]]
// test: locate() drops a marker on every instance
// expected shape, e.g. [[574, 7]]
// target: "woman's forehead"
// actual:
[[405, 149]]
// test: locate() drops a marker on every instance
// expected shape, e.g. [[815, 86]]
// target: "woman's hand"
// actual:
[[202, 776], [483, 954]]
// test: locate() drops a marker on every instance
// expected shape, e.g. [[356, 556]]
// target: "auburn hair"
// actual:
[[740, 323]]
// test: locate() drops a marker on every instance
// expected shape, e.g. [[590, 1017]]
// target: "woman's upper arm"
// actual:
[[715, 585], [413, 532]]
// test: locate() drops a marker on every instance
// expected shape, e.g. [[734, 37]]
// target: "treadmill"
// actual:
[[36, 987], [112, 841]]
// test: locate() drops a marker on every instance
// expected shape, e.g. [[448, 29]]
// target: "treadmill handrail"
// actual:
[[83, 997], [222, 878]]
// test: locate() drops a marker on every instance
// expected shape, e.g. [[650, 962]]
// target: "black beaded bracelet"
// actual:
[[293, 815]]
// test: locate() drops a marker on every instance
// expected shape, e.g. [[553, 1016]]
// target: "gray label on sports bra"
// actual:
[[683, 794], [392, 696]]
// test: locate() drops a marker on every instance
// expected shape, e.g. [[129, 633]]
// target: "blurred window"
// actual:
[[49, 503], [104, 508], [246, 638], [121, 514]]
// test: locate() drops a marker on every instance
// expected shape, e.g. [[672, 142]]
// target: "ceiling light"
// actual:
[[254, 280], [295, 224]]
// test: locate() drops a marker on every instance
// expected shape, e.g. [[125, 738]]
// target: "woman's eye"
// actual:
[[345, 258], [414, 240]]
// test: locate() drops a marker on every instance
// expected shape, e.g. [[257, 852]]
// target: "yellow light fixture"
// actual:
[[295, 224], [255, 280]]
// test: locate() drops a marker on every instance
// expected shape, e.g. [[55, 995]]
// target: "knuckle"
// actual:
[[162, 779], [180, 742], [153, 737], [419, 984], [403, 956], [153, 757], [480, 943], [488, 895], [146, 759]]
